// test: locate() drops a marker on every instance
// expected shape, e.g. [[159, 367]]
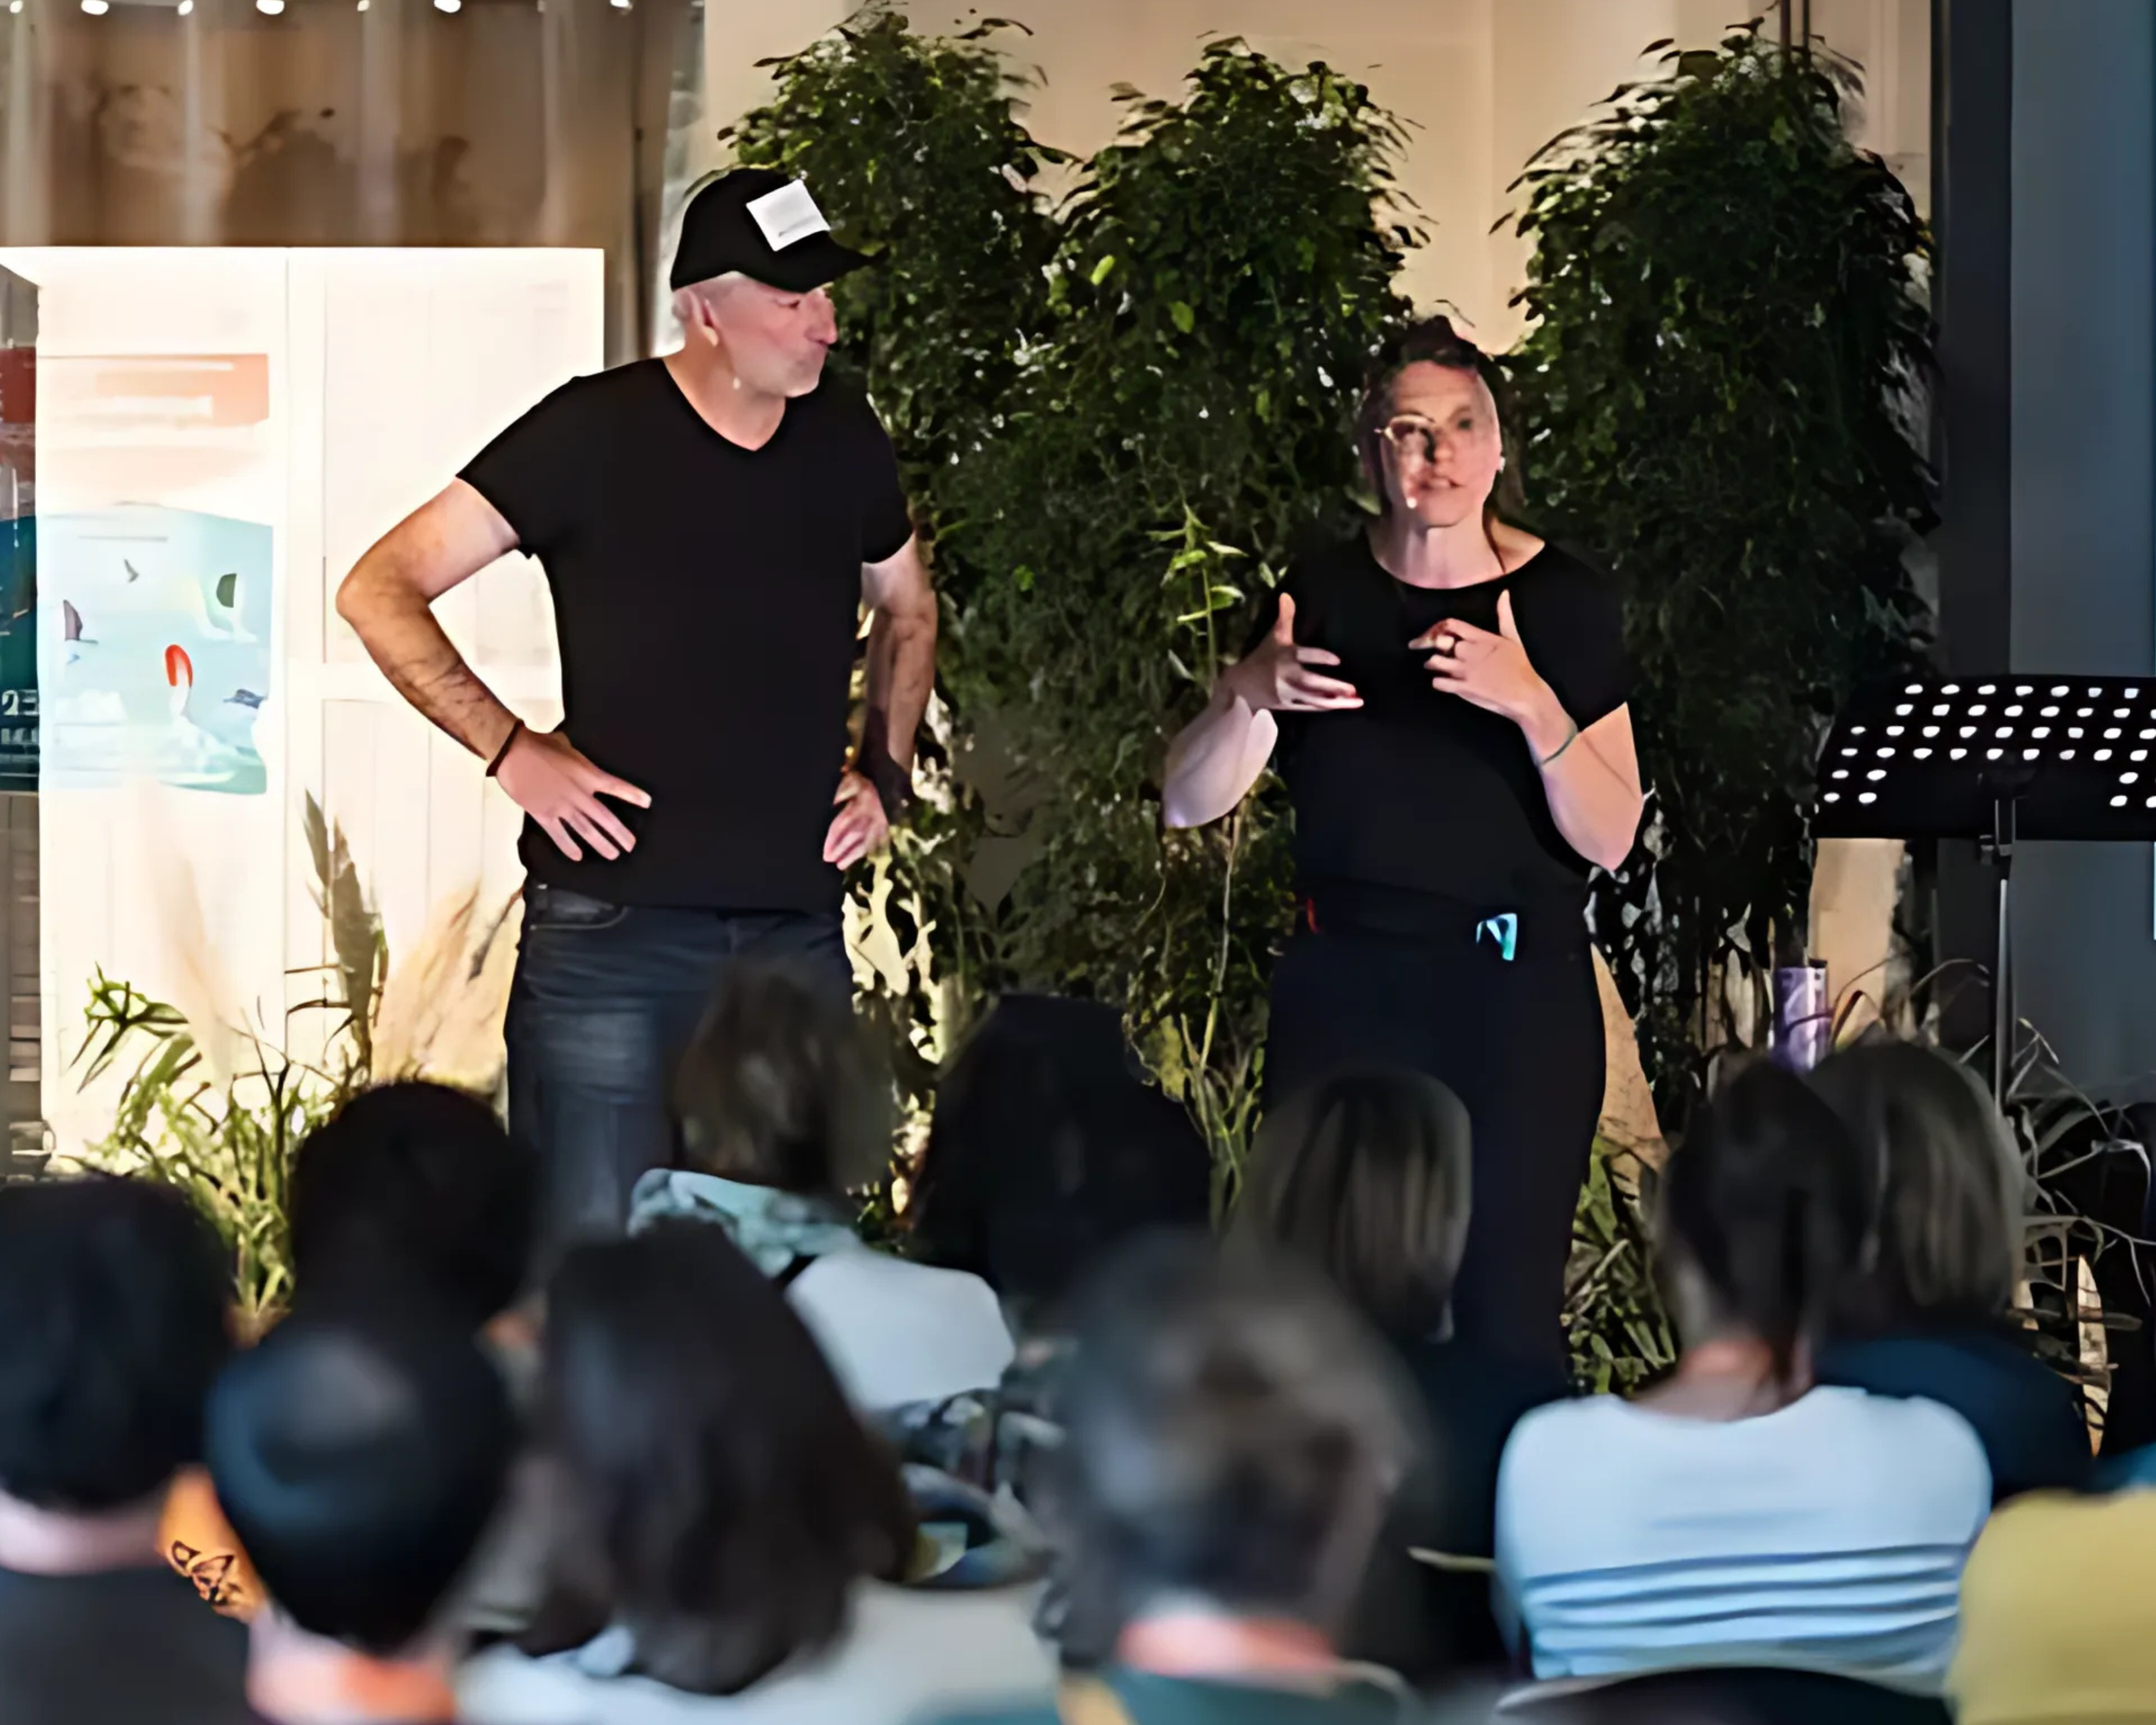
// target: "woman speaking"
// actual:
[[1446, 696]]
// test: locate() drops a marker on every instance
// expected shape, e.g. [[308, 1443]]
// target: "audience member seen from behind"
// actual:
[[1366, 1175], [359, 1457], [1235, 1435], [411, 1193], [1048, 1151], [780, 1109], [1929, 1316], [2054, 1609], [730, 1534], [417, 1187], [112, 1328], [1738, 1515]]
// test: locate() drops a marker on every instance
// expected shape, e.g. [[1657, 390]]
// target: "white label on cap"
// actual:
[[787, 215]]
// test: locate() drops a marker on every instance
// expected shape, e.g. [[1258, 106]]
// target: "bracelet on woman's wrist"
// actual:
[[1571, 737]]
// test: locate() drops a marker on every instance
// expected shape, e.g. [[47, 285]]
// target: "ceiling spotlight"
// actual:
[[269, 8], [97, 8], [187, 7], [621, 5], [14, 5], [448, 5]]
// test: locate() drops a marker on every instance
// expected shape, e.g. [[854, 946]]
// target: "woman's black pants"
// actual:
[[1520, 1041]]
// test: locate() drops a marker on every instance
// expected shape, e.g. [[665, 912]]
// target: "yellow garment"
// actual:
[[199, 1543], [2056, 1609]]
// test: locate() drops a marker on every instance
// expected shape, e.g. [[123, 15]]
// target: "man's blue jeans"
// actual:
[[606, 998]]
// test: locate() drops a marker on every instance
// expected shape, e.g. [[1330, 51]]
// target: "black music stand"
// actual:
[[1998, 759]]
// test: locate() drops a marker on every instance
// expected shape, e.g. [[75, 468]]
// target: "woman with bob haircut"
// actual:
[[1929, 1314], [1367, 1176]]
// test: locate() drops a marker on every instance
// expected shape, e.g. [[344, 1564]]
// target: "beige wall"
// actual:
[[1485, 82]]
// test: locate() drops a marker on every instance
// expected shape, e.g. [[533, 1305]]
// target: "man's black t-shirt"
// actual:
[[707, 600], [1419, 789], [117, 1648]]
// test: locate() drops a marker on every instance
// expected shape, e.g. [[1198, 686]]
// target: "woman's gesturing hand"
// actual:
[[1278, 675], [1493, 672]]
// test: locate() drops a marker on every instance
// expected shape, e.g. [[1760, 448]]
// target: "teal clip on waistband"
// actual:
[[1504, 930]]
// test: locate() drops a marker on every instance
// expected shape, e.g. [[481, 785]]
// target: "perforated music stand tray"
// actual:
[[1997, 759]]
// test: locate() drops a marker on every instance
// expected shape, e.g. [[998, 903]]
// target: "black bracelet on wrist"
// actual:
[[892, 783], [508, 742], [896, 796]]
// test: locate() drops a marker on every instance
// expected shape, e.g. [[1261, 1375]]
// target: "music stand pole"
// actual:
[[2002, 975]]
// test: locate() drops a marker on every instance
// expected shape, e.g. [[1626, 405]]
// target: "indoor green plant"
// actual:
[[217, 1106], [1158, 420], [1720, 391]]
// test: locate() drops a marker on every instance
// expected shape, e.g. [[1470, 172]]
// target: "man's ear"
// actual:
[[693, 311]]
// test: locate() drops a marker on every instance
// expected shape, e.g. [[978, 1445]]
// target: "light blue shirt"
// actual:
[[1830, 1535]]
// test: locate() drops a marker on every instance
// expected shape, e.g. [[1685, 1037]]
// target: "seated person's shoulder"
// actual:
[[1557, 1425], [896, 1331], [2043, 1532], [1042, 1714], [1920, 1457]]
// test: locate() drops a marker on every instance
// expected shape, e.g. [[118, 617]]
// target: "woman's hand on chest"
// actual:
[[1493, 672]]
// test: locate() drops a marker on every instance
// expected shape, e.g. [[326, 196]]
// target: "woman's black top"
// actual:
[[1419, 789]]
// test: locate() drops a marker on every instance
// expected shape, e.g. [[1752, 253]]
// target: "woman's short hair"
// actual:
[[1367, 1176], [720, 1498], [1948, 1185], [779, 1087], [1432, 341], [1233, 1433], [1764, 1212]]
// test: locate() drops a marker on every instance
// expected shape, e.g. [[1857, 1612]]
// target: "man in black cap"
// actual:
[[710, 524]]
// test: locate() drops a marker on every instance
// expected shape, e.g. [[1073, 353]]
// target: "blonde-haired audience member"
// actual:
[[1367, 1176], [1927, 1314]]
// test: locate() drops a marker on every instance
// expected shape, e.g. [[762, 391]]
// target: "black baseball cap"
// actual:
[[764, 225]]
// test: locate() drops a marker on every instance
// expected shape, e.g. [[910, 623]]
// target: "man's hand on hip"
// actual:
[[559, 788], [859, 827]]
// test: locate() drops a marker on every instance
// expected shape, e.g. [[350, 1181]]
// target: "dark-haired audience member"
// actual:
[[1367, 1176], [360, 1456], [1928, 1317], [412, 1193], [1048, 1151], [1235, 1434], [780, 1109], [417, 1187], [730, 1533], [112, 1328], [1738, 1515]]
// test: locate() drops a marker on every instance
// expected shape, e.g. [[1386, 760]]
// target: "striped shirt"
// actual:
[[1830, 1535]]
